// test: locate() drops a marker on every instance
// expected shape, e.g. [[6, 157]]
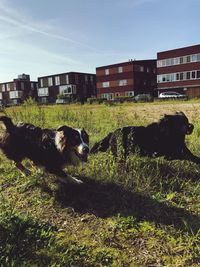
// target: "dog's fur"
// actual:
[[164, 138], [48, 148]]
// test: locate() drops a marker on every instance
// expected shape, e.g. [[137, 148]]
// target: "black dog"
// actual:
[[164, 138], [51, 149]]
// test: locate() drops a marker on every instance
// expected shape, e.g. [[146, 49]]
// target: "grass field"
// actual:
[[144, 213]]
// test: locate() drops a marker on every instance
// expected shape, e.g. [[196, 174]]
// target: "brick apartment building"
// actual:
[[126, 79], [73, 85], [179, 70], [18, 90]]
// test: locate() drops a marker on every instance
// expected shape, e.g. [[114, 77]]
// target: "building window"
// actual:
[[76, 78], [176, 61], [141, 68], [193, 74], [105, 84], [188, 75], [41, 83], [67, 79], [15, 94], [22, 85], [188, 59], [129, 93], [122, 82], [32, 86], [43, 91], [91, 78], [104, 96], [8, 86], [86, 79], [106, 71], [120, 69], [198, 74], [57, 80], [50, 81], [65, 89]]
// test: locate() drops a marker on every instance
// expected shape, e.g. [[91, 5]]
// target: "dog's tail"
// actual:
[[101, 146], [8, 123]]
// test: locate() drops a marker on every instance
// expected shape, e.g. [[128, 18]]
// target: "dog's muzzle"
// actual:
[[82, 152], [189, 129]]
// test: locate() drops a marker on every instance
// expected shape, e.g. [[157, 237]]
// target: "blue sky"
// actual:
[[42, 37]]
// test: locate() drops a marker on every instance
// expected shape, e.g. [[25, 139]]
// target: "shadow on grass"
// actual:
[[105, 200]]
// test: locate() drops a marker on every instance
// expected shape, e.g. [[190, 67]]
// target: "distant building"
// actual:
[[18, 90], [126, 79], [179, 70], [72, 85]]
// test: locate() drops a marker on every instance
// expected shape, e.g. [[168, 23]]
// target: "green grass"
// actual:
[[145, 212]]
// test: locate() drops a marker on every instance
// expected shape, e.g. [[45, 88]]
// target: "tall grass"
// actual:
[[142, 212]]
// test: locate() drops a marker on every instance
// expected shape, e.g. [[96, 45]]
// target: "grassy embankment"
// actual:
[[146, 213]]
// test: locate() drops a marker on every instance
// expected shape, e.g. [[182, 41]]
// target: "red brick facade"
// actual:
[[126, 79]]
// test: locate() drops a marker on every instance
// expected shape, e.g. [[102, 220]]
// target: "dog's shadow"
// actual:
[[106, 200]]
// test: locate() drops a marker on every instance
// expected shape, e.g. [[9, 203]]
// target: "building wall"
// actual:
[[21, 88], [83, 85], [182, 70], [126, 78]]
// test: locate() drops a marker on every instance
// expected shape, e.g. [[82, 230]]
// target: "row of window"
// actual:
[[124, 83], [110, 96], [138, 68], [178, 60], [58, 82], [63, 89], [179, 76], [7, 86], [120, 83]]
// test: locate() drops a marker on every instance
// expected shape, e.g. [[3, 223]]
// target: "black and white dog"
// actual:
[[163, 138], [48, 148]]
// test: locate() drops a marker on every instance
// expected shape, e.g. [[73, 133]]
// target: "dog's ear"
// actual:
[[64, 128], [180, 113]]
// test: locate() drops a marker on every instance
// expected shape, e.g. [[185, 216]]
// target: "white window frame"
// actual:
[[1, 96], [105, 84], [57, 80], [44, 91], [67, 78], [129, 93], [107, 72], [15, 94], [122, 82], [50, 81], [120, 69], [8, 87], [41, 83], [66, 89]]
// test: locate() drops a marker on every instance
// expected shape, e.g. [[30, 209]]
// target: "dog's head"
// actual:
[[177, 122], [70, 140]]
